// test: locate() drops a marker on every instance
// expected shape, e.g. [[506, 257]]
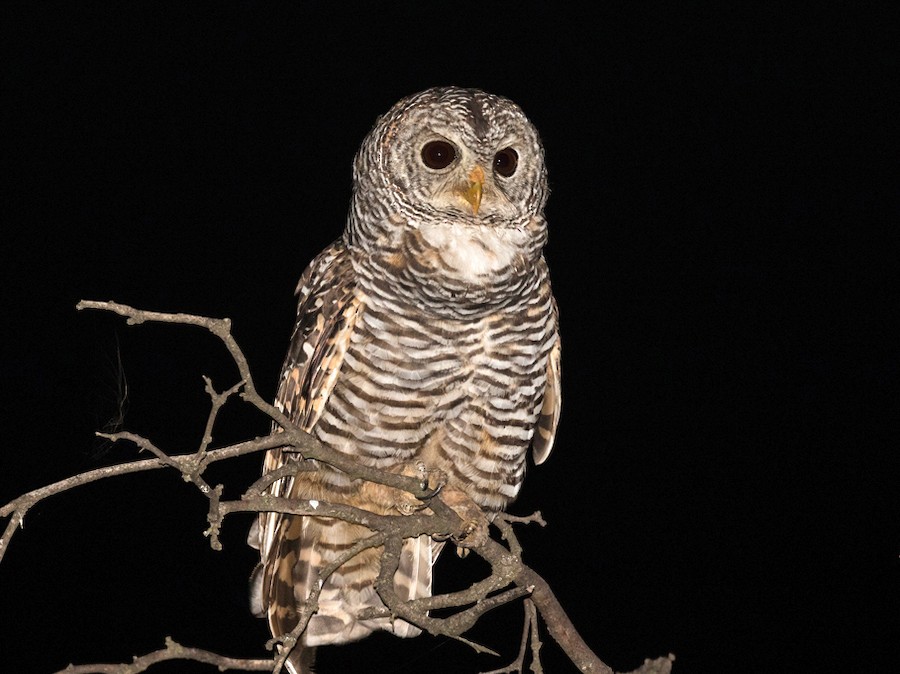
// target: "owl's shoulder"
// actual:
[[331, 269]]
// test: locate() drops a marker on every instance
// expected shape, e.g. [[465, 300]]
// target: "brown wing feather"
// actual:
[[326, 314], [545, 433]]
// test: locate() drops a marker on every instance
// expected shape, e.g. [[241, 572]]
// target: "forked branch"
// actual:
[[510, 579]]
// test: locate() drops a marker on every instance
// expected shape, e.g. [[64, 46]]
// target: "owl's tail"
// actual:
[[336, 620], [352, 589], [306, 546]]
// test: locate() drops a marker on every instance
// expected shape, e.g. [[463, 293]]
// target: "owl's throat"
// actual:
[[476, 255], [453, 271]]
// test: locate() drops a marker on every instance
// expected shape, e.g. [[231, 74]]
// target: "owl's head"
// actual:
[[456, 155]]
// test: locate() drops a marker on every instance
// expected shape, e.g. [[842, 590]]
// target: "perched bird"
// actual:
[[426, 334]]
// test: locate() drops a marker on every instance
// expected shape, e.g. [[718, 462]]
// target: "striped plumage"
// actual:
[[427, 333]]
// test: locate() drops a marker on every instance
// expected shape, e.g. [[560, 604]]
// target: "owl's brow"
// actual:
[[476, 116]]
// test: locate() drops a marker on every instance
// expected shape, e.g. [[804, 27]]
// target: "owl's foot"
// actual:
[[430, 481], [474, 529]]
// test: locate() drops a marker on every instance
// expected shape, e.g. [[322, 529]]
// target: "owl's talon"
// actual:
[[472, 535], [474, 531], [430, 481], [409, 507], [422, 473], [407, 504], [437, 480]]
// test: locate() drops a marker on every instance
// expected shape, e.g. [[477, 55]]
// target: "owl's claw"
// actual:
[[409, 507], [473, 534], [474, 530], [431, 482]]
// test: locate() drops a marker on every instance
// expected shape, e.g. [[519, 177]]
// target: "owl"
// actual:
[[426, 334]]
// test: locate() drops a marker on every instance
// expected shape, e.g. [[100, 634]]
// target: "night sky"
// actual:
[[723, 485]]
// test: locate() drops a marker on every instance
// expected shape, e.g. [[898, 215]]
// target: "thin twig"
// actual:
[[529, 628], [173, 651], [218, 400], [531, 612], [288, 469], [18, 507]]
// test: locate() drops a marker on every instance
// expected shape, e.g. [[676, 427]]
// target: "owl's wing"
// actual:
[[545, 433], [326, 314], [294, 549]]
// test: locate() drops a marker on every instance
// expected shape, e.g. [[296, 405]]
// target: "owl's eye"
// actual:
[[506, 161], [438, 154]]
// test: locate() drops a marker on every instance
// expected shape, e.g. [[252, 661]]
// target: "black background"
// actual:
[[722, 485]]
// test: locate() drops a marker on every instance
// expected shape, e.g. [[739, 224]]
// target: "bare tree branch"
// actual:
[[173, 651], [293, 436], [529, 631], [18, 507], [218, 400], [655, 666], [509, 579]]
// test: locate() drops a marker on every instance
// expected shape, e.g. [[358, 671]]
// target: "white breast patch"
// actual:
[[474, 252]]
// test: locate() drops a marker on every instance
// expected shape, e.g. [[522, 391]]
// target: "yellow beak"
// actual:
[[472, 193]]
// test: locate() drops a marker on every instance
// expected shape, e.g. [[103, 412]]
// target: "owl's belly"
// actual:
[[462, 398]]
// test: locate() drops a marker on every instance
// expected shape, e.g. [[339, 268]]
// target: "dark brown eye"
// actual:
[[505, 162], [438, 154]]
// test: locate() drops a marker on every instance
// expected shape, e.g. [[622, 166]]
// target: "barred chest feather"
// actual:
[[462, 393]]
